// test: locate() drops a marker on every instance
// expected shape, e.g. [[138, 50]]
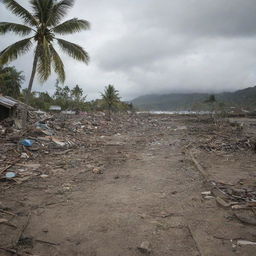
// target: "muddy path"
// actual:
[[145, 188]]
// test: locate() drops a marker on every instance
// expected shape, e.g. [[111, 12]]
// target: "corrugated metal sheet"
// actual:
[[7, 102]]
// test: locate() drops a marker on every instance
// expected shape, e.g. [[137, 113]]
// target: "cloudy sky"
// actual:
[[158, 46]]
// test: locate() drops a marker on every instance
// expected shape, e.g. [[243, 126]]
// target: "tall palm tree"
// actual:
[[45, 23], [110, 98]]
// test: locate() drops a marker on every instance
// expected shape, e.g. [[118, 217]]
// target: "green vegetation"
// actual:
[[44, 23], [110, 98], [11, 81], [67, 98]]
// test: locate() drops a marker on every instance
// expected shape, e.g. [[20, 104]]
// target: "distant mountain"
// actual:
[[245, 98]]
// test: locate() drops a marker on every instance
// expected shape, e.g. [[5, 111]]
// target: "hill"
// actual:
[[245, 98]]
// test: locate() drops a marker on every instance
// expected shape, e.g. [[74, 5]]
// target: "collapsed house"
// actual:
[[8, 107], [13, 109]]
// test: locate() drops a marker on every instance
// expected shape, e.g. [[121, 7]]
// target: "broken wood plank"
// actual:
[[198, 166]]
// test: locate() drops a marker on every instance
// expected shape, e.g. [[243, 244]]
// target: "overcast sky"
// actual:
[[158, 46]]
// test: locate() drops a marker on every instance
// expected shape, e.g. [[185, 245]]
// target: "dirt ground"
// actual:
[[123, 189]]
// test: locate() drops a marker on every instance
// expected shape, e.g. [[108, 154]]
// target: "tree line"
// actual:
[[68, 98]]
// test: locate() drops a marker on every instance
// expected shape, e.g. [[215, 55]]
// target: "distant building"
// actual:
[[68, 112], [54, 108]]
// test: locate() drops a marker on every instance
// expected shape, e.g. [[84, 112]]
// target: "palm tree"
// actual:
[[3, 74], [44, 23], [77, 92], [211, 100], [110, 98]]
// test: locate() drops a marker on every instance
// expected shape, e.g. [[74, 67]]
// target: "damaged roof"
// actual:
[[7, 102]]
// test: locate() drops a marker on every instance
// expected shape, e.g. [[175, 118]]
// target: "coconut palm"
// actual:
[[44, 23], [110, 98]]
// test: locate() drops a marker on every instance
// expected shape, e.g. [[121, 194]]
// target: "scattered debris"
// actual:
[[3, 221], [27, 142], [97, 171], [10, 175], [246, 217], [144, 247], [223, 203], [206, 193], [245, 242], [21, 231], [6, 222]]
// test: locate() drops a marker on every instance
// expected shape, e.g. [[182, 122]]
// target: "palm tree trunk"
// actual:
[[109, 113], [27, 96]]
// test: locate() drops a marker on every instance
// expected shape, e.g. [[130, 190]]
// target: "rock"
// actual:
[[145, 247]]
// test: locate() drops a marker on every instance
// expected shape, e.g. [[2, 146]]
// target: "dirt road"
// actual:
[[145, 189]]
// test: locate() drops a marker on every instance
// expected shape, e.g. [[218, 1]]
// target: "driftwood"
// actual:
[[198, 166], [192, 236]]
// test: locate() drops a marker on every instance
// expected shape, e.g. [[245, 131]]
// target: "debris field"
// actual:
[[139, 184]]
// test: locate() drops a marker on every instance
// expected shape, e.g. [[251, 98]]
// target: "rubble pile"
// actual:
[[227, 144], [53, 135], [223, 136]]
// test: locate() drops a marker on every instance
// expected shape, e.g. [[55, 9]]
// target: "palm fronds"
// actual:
[[58, 11], [57, 64], [13, 51], [41, 9], [73, 50], [20, 11], [18, 29], [71, 26]]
